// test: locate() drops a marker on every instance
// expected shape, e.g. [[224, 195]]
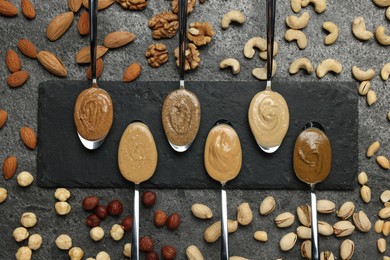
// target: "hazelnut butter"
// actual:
[[93, 113], [181, 117], [268, 118], [312, 156], [137, 153], [222, 153]]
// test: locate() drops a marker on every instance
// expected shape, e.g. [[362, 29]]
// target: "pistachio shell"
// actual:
[[304, 215], [306, 249], [288, 241], [261, 236], [285, 219], [324, 228], [326, 255], [343, 228], [365, 193], [346, 249], [304, 232], [346, 210], [384, 213], [362, 178], [378, 227], [362, 222], [267, 205], [385, 196], [325, 206], [381, 243]]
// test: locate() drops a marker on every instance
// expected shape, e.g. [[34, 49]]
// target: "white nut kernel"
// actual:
[[261, 73], [371, 97], [232, 16], [23, 253], [364, 87], [362, 75], [386, 228], [381, 36], [301, 63], [3, 195], [296, 5], [373, 148], [96, 233], [62, 208], [64, 242], [365, 193], [378, 227], [257, 42], [319, 5], [296, 35], [343, 228], [213, 232], [25, 179], [359, 29], [230, 62], [382, 3], [193, 253], [263, 53], [288, 241], [35, 241], [298, 23], [267, 205], [102, 255], [328, 65], [117, 232], [381, 245], [385, 196], [20, 234], [261, 236], [383, 162], [347, 248], [305, 232], [285, 219], [76, 253], [385, 71], [384, 213], [333, 30], [62, 194], [201, 211], [244, 214], [127, 250], [362, 178], [28, 219], [324, 228]]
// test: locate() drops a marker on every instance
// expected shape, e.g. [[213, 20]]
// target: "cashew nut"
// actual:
[[359, 29], [296, 5], [333, 30], [232, 16], [257, 42], [299, 36], [261, 73], [301, 63], [297, 23], [385, 71], [381, 36], [382, 3], [319, 5], [230, 62], [328, 65], [362, 75], [263, 54]]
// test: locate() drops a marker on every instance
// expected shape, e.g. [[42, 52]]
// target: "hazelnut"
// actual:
[[148, 198], [3, 194], [168, 252], [92, 221], [102, 255], [127, 223], [23, 253], [90, 202], [64, 242], [117, 232], [76, 253], [96, 233], [62, 208], [62, 194], [25, 179], [28, 219], [173, 221], [101, 211], [20, 234], [146, 244], [152, 255], [115, 208], [160, 218], [35, 241], [127, 250]]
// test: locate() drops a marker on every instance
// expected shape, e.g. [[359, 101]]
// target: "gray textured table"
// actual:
[[21, 105]]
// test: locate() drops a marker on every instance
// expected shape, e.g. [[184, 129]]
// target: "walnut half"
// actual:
[[164, 25], [157, 54], [190, 7], [132, 4], [200, 33], [192, 57]]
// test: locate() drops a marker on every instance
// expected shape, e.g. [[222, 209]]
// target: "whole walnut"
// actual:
[[190, 7], [164, 25], [192, 57], [157, 54], [132, 4], [200, 33]]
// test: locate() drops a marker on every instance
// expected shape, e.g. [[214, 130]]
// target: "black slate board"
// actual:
[[63, 162]]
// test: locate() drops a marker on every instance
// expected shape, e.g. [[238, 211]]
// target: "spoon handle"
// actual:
[[135, 230], [224, 241], [93, 36], [315, 251], [182, 39], [270, 37]]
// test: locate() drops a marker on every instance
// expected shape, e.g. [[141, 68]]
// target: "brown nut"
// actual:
[[133, 4], [92, 221], [90, 202], [101, 211], [164, 25], [127, 223], [175, 6], [157, 54], [192, 57], [168, 252], [160, 218], [152, 255], [146, 244], [148, 198], [200, 33], [173, 221], [115, 208]]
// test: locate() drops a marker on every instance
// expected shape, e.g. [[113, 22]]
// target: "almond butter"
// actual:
[[17, 79], [3, 117], [8, 8], [99, 69], [27, 48], [75, 5], [9, 167], [102, 4], [13, 61], [118, 39], [83, 56], [132, 72], [59, 25], [28, 136], [83, 24], [28, 9], [52, 63]]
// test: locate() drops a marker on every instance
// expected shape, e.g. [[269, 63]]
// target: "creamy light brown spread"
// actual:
[[137, 153], [268, 118], [181, 117], [312, 156], [93, 113], [222, 153]]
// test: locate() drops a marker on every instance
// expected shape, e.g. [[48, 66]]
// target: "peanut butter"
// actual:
[[222, 153], [137, 153]]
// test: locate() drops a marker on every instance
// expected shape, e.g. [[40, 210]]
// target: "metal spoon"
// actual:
[[181, 109], [312, 163], [93, 112]]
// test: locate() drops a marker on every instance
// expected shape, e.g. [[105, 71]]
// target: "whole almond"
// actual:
[[102, 4], [17, 79], [28, 48], [28, 136], [8, 8], [3, 117], [9, 167], [59, 25], [83, 55], [132, 72], [83, 24], [99, 69], [118, 39], [28, 9], [52, 63], [13, 61], [75, 5]]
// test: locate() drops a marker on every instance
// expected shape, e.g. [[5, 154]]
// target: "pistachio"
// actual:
[[386, 228], [362, 178], [378, 227], [244, 214], [364, 87], [324, 228], [385, 196], [285, 219], [261, 236], [365, 193], [325, 206], [381, 243], [267, 205], [304, 232], [383, 162], [346, 210], [372, 149], [384, 213], [362, 222], [346, 249], [326, 255], [306, 249], [288, 241], [304, 215], [343, 228]]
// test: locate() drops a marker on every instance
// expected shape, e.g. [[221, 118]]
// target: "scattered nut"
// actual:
[[62, 208], [326, 206], [378, 227], [328, 65], [385, 71], [381, 36], [193, 253], [301, 63], [261, 236], [96, 233], [117, 232], [23, 253], [362, 178], [257, 42], [304, 215], [384, 213], [263, 53], [267, 206], [298, 23], [296, 5], [168, 252], [261, 73], [364, 87], [230, 62], [319, 5], [92, 221], [347, 249], [152, 255], [382, 3], [383, 162], [173, 221], [62, 194], [148, 198], [333, 30], [365, 193], [343, 228], [285, 219], [3, 195], [25, 179], [200, 33], [190, 6], [213, 232], [324, 228], [244, 214], [35, 241], [102, 255], [118, 39], [127, 250], [90, 202], [127, 223], [359, 29], [371, 97], [232, 16], [192, 57], [132, 72], [64, 242], [28, 219], [381, 243], [372, 149], [305, 232], [160, 218], [296, 35], [362, 222], [164, 25], [362, 75], [115, 208], [346, 210], [20, 234], [201, 211], [326, 255], [157, 54], [306, 249], [386, 228], [146, 244], [133, 4], [101, 211], [385, 196], [287, 242], [76, 253]]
